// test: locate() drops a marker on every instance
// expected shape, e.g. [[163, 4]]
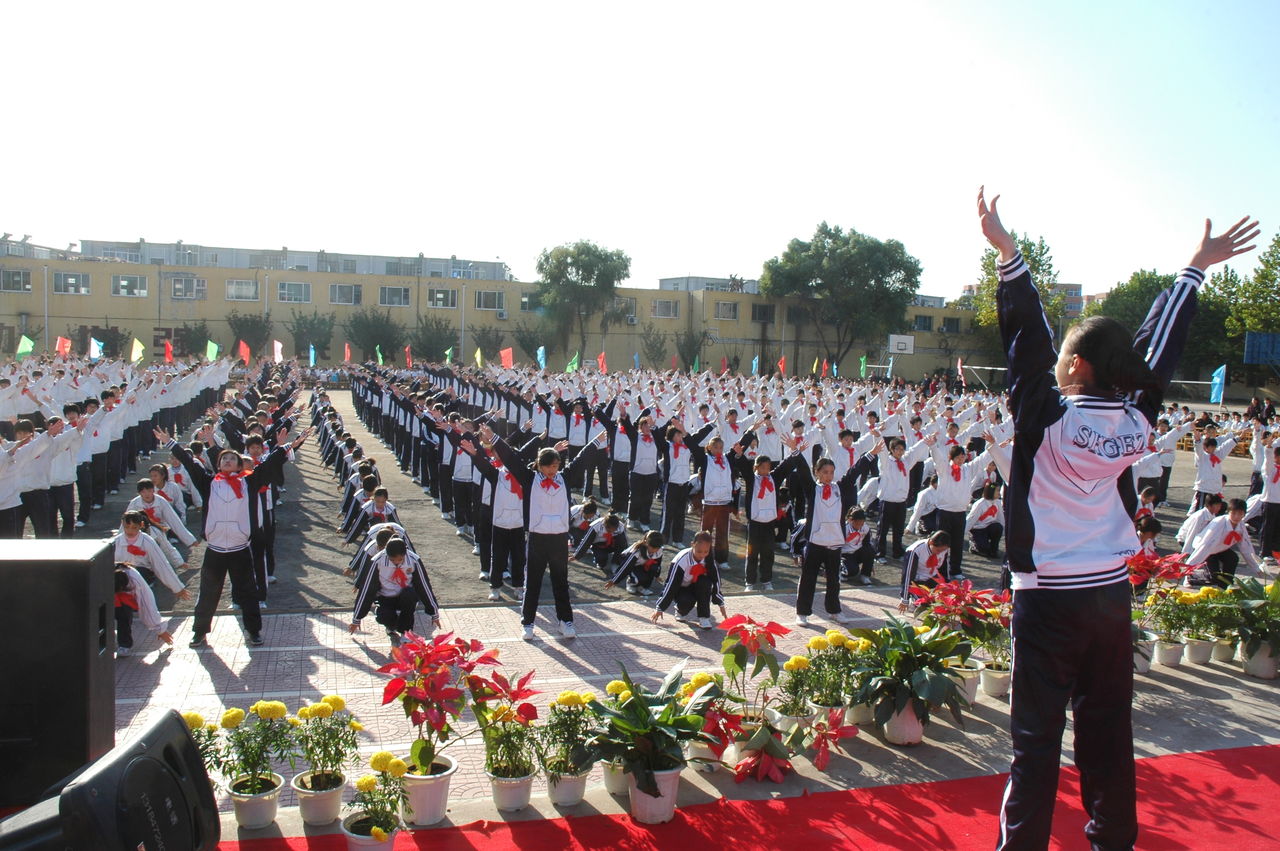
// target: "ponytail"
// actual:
[[1106, 346]]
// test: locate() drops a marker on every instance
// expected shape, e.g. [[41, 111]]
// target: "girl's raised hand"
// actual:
[[992, 229], [1215, 249]]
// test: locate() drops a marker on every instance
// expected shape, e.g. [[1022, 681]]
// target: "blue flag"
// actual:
[[835, 370], [755, 365], [95, 349], [542, 357], [1218, 385], [889, 374], [313, 354], [635, 358]]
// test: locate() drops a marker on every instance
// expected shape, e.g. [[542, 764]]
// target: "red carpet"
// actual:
[[1215, 799]]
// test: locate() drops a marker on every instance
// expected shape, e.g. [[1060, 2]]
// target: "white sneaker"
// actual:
[[271, 580], [97, 505], [124, 651], [768, 586], [841, 617], [802, 620], [705, 623], [567, 629], [750, 588], [632, 588], [528, 633], [864, 580], [959, 577], [475, 551], [881, 560], [494, 595], [646, 592], [786, 547], [80, 524], [461, 531]]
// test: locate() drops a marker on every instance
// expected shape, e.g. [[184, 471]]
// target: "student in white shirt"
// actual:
[[1194, 524], [924, 564], [397, 582], [985, 524], [693, 583], [1218, 549], [133, 595], [857, 556], [896, 462], [1209, 456]]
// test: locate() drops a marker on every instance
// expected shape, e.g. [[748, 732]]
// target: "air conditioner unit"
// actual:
[[501, 314], [631, 320]]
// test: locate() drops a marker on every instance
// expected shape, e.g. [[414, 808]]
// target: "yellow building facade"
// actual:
[[76, 297]]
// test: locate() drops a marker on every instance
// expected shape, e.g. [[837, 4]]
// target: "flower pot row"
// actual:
[[1261, 664]]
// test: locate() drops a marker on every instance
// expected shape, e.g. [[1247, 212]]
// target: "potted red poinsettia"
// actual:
[[506, 718], [428, 677], [980, 615], [747, 653]]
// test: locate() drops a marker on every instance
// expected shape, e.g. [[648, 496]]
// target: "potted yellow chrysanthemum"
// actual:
[[248, 751], [328, 742], [375, 819], [562, 747], [615, 776]]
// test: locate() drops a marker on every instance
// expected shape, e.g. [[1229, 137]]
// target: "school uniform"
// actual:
[[719, 499], [692, 584], [646, 450], [1069, 531], [1269, 535], [678, 463], [133, 595], [984, 526], [895, 487], [638, 569], [1217, 551], [162, 513], [954, 490], [920, 566], [396, 590], [1209, 470], [763, 512], [603, 544], [145, 554], [826, 507], [857, 555]]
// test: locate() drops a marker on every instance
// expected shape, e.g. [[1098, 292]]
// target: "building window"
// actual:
[[762, 312], [189, 288], [134, 286], [665, 308], [951, 324], [727, 310], [15, 281], [924, 322], [393, 296], [295, 292], [267, 260], [532, 301], [442, 298], [121, 254], [490, 300], [626, 305], [797, 315], [70, 283], [345, 293], [238, 290], [404, 268], [436, 270], [186, 257]]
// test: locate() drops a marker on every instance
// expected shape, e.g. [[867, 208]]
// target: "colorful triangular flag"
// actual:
[[479, 358], [408, 356], [602, 363], [63, 346], [138, 351], [862, 367], [542, 357], [448, 355], [755, 365], [26, 346], [377, 350], [311, 353], [277, 349], [572, 365], [95, 349], [210, 351], [168, 351], [245, 354], [507, 357]]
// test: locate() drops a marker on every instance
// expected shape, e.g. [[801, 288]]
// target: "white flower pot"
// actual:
[[904, 728], [511, 794], [427, 797], [784, 724], [995, 683], [1198, 651], [968, 680], [318, 807], [569, 789], [615, 778], [1224, 650], [645, 808], [1261, 664], [818, 712], [860, 713], [1169, 653], [1142, 654], [254, 812], [701, 750], [362, 842]]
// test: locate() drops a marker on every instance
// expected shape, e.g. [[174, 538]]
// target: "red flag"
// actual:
[[408, 357], [724, 365], [244, 352], [826, 367], [673, 361], [168, 351], [346, 353], [507, 357], [782, 364], [63, 346], [960, 370], [602, 363]]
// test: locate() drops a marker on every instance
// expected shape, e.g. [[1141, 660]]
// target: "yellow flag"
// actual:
[[815, 366], [479, 358], [138, 351]]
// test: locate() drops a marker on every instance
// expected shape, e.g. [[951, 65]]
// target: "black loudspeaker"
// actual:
[[151, 793], [57, 668]]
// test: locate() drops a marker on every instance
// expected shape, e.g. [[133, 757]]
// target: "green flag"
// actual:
[[862, 367], [377, 350], [572, 366], [697, 363], [26, 346], [211, 351], [448, 355], [138, 351]]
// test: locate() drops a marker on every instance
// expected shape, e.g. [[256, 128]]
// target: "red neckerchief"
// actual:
[[651, 563], [151, 513], [826, 491], [577, 419], [399, 577], [177, 477], [919, 436], [608, 539], [902, 468], [378, 516], [769, 430], [852, 536], [124, 598], [1275, 477], [234, 480], [766, 486], [165, 495], [932, 564], [514, 484], [647, 438], [734, 426], [622, 430], [1214, 460], [956, 469], [135, 550], [550, 484], [1232, 537], [719, 459], [991, 512], [697, 571], [851, 454], [951, 441], [675, 448]]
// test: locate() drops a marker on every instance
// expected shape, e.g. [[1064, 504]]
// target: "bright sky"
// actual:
[[699, 137]]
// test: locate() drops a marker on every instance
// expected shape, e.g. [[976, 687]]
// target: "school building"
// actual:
[[148, 290]]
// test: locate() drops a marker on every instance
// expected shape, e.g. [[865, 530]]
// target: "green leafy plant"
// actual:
[[562, 741], [328, 740], [506, 723], [248, 749], [1259, 607], [911, 669], [380, 796], [644, 730]]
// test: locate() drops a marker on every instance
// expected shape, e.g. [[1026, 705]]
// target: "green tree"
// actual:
[[431, 337], [859, 286], [689, 347], [654, 343], [191, 339], [1255, 301], [489, 341], [1043, 275], [315, 329], [253, 328], [367, 329], [577, 281]]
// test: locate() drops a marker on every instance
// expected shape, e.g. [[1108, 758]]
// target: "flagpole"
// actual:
[[462, 340], [46, 308]]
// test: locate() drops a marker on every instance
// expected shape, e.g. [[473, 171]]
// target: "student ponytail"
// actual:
[[1106, 346]]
